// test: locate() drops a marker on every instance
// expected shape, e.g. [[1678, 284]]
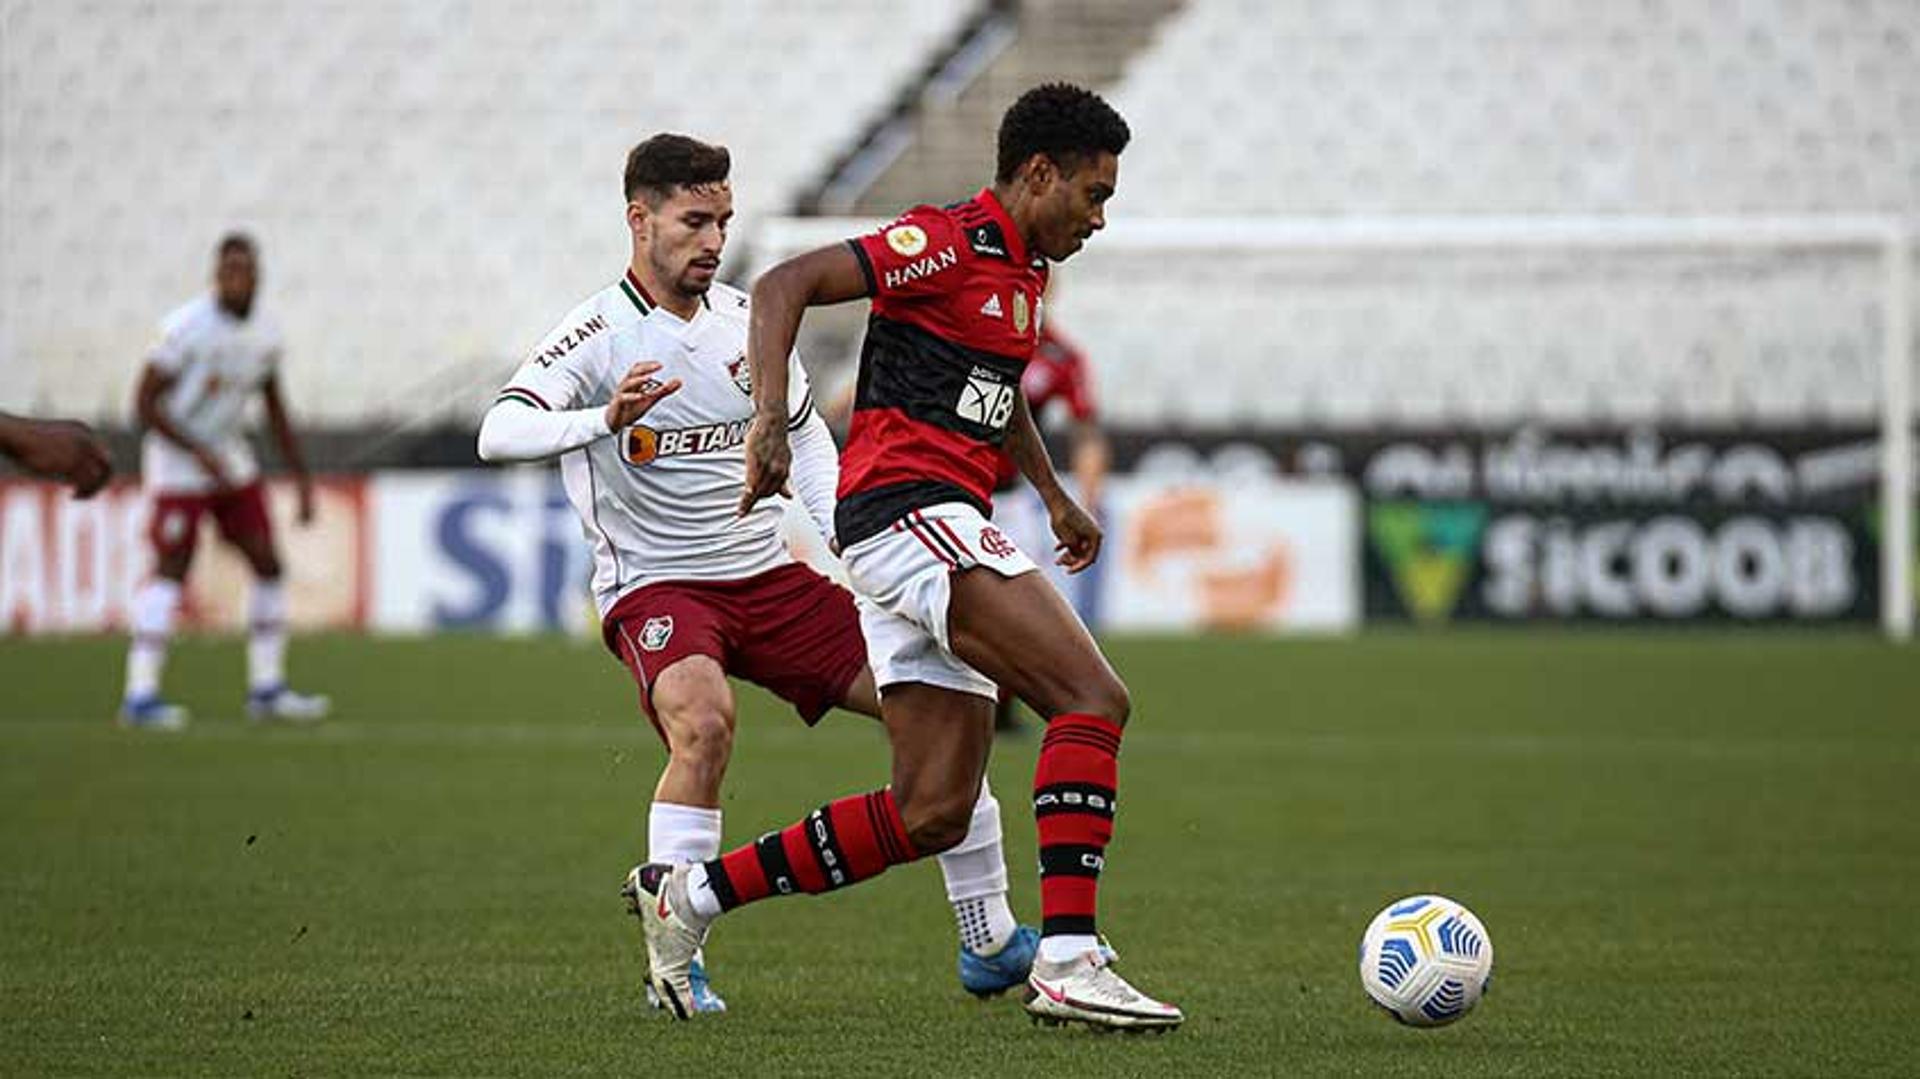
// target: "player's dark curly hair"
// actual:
[[666, 161], [236, 241], [1062, 121]]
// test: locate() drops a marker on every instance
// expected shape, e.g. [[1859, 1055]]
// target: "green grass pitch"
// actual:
[[1696, 855]]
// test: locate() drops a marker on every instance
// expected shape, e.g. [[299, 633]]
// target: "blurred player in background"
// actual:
[[949, 606], [65, 450], [216, 353], [1057, 374], [689, 589]]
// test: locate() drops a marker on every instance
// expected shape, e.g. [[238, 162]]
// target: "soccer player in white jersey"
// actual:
[[643, 393], [216, 353]]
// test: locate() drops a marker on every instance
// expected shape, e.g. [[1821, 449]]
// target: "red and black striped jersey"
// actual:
[[956, 316]]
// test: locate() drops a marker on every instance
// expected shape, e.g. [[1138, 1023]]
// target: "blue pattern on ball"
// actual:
[[1396, 962]]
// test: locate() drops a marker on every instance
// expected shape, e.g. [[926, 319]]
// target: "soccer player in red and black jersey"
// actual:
[[949, 606]]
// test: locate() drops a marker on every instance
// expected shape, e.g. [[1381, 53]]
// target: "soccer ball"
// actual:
[[1426, 960]]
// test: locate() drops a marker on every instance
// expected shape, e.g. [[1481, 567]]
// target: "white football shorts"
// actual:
[[903, 579]]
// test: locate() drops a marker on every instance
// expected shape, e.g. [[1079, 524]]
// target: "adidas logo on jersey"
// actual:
[[991, 308]]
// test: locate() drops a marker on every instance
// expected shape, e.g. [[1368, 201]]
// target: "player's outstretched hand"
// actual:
[[1079, 535], [769, 459], [63, 449], [637, 393]]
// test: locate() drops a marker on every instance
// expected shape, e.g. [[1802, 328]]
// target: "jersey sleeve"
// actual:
[[916, 255], [169, 353], [800, 404], [563, 372]]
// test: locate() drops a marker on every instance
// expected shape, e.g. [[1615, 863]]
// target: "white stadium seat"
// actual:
[[1314, 108], [433, 184]]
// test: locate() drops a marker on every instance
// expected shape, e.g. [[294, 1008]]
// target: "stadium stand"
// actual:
[[1381, 107], [433, 183]]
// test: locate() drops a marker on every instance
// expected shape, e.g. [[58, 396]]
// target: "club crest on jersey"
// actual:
[[1021, 316], [656, 633], [907, 240], [742, 373]]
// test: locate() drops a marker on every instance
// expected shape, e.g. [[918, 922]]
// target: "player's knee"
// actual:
[[701, 737], [938, 824], [1107, 697]]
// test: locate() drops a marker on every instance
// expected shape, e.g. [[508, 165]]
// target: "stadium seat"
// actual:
[[433, 184]]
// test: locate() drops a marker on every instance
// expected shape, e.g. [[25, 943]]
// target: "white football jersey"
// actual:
[[219, 362], [658, 500]]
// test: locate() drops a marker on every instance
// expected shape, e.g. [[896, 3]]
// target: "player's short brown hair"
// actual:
[[666, 161], [236, 241], [1062, 121]]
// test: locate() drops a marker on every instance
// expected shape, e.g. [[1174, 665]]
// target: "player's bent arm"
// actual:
[[827, 275], [816, 471], [817, 278], [283, 433], [513, 431], [1029, 453], [155, 384]]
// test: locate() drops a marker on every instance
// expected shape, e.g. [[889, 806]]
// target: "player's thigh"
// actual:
[[863, 696], [174, 532], [801, 639], [653, 629], [940, 738], [693, 705], [1020, 632], [246, 526]]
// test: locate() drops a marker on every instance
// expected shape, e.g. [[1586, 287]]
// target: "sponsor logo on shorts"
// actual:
[[657, 631]]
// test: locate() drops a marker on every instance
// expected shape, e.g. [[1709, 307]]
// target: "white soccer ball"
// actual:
[[1426, 959]]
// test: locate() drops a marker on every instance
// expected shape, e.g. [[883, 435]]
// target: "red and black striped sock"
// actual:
[[1073, 803], [834, 846]]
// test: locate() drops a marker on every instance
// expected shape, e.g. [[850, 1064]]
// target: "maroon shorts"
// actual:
[[240, 514], [788, 629]]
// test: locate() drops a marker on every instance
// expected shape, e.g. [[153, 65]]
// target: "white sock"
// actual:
[[976, 873], [1066, 947], [678, 834], [267, 636], [700, 894], [154, 607]]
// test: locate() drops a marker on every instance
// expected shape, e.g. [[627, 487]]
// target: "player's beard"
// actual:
[[696, 280]]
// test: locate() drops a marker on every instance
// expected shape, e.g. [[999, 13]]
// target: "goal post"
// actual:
[[1878, 249]]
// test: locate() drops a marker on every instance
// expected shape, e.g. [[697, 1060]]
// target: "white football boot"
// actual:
[[1086, 990], [659, 896], [279, 704]]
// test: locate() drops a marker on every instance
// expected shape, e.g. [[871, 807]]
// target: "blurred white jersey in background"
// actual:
[[219, 362]]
